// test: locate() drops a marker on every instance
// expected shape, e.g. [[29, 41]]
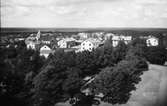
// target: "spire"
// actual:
[[38, 35]]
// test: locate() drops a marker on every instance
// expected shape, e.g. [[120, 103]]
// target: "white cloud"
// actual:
[[84, 13]]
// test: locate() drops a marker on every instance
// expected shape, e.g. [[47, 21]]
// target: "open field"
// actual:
[[150, 91]]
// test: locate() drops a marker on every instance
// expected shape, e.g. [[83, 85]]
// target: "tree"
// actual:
[[64, 77], [117, 83], [50, 84], [137, 47], [156, 55], [16, 64], [120, 51]]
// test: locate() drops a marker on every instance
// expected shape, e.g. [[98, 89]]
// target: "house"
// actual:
[[45, 39], [31, 45], [83, 35], [63, 43], [116, 39], [152, 41], [71, 44], [32, 40], [90, 44], [108, 36], [45, 51]]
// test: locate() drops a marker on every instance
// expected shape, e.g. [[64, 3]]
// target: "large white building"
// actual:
[[83, 35], [63, 43], [31, 45], [152, 41], [116, 39], [45, 51], [90, 44]]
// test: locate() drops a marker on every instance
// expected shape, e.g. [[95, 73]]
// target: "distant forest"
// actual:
[[113, 30]]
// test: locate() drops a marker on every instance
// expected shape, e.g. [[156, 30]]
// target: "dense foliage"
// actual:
[[116, 83], [63, 78], [18, 67], [79, 78], [156, 55]]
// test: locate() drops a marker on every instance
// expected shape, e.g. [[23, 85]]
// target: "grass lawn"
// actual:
[[150, 91]]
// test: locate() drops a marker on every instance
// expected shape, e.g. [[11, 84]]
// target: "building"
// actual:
[[32, 41], [38, 35], [45, 39], [63, 43], [31, 45], [116, 39], [108, 36], [152, 41], [90, 44], [45, 51], [83, 35]]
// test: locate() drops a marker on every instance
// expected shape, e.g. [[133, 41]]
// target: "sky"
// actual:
[[84, 13]]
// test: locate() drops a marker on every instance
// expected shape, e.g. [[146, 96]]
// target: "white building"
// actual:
[[32, 40], [83, 35], [116, 39], [63, 43], [89, 44], [108, 36], [152, 41], [45, 51], [31, 45]]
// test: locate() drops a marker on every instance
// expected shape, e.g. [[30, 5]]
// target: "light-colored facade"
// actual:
[[83, 35], [108, 36], [152, 41], [63, 43], [89, 44], [116, 39], [31, 45], [45, 51], [32, 40]]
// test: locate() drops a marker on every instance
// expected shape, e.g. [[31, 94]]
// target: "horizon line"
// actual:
[[92, 27]]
